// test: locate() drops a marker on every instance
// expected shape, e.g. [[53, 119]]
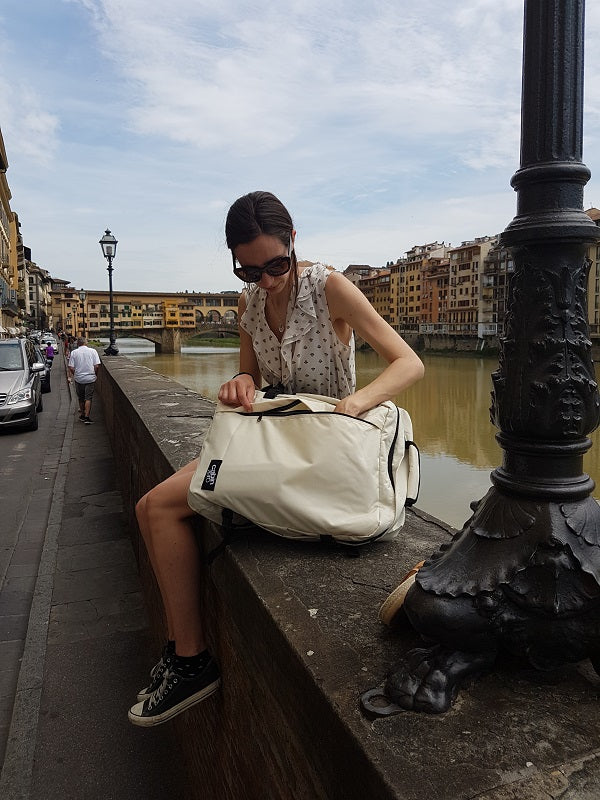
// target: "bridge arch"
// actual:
[[169, 340]]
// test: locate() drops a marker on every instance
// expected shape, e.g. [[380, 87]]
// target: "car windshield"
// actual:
[[11, 357]]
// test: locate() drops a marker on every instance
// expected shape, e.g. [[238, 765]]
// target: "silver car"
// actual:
[[20, 385], [45, 373]]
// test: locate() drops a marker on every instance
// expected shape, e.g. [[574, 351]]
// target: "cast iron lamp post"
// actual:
[[82, 298], [108, 243], [523, 575]]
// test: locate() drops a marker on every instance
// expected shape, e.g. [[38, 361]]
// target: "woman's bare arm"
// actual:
[[350, 309], [239, 391]]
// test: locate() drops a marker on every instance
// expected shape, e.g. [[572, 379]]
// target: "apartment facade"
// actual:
[[593, 298], [9, 310], [394, 307], [38, 288], [24, 286], [498, 267], [435, 292], [356, 272], [413, 269], [376, 288], [466, 266]]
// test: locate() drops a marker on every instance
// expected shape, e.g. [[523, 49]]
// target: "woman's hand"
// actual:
[[349, 405], [239, 391]]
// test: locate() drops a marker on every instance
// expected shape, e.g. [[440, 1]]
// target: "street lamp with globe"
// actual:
[[82, 296], [108, 243]]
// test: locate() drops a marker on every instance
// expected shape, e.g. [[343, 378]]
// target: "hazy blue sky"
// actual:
[[381, 125]]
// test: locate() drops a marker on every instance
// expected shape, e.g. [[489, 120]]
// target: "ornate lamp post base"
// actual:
[[524, 573], [522, 576]]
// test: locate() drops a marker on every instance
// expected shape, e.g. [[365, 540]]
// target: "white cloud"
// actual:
[[279, 75], [368, 119], [34, 128]]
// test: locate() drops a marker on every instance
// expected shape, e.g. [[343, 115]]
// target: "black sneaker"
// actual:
[[174, 695], [157, 673], [82, 417], [87, 421]]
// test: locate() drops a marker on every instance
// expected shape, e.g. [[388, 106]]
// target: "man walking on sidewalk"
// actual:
[[84, 362]]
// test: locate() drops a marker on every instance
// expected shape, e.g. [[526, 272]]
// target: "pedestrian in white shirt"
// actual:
[[84, 363]]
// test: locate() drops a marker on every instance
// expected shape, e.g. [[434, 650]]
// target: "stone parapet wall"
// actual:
[[295, 630], [292, 625]]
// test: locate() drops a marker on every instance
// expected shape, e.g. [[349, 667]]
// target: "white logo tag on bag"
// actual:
[[210, 479]]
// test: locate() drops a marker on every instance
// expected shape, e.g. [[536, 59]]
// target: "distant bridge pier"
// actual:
[[169, 341]]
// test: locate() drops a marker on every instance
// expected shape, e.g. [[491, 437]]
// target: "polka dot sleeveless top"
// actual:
[[310, 357]]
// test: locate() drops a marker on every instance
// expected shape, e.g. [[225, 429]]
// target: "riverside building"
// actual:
[[24, 286], [9, 310], [444, 297], [141, 310], [593, 298], [466, 264]]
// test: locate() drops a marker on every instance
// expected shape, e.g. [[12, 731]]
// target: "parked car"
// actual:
[[20, 384], [45, 374]]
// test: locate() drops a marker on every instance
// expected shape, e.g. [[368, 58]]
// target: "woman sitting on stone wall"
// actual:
[[296, 328]]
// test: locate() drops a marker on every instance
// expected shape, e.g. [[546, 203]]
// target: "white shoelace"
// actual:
[[159, 694]]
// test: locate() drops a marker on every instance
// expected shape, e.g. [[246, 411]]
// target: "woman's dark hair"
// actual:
[[256, 213], [259, 213]]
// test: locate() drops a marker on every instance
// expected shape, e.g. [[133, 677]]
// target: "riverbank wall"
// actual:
[[293, 627], [439, 344], [295, 630]]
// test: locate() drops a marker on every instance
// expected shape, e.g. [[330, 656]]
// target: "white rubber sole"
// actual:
[[135, 717]]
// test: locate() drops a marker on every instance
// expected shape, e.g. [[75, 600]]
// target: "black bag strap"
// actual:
[[349, 549], [272, 391], [410, 501], [230, 531]]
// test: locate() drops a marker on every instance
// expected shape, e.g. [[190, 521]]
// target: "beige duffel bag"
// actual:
[[295, 468]]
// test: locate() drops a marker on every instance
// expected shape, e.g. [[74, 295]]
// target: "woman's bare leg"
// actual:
[[141, 512], [165, 522]]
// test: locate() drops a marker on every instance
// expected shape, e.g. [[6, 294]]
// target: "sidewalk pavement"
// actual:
[[87, 650]]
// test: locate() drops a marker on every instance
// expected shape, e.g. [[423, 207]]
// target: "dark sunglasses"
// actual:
[[275, 267]]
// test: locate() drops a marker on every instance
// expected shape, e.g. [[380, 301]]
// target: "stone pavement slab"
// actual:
[[28, 470], [87, 650]]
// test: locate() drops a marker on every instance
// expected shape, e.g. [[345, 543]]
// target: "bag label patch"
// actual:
[[210, 479]]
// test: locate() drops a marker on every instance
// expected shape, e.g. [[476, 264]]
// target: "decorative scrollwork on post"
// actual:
[[545, 386]]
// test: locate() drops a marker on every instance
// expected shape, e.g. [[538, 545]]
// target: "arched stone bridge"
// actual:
[[169, 340]]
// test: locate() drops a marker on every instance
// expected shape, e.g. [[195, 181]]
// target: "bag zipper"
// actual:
[[259, 414], [285, 412]]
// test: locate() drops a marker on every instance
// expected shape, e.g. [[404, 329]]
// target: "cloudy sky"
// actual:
[[381, 125]]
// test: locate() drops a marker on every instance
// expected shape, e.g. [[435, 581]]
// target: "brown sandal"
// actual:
[[395, 600]]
